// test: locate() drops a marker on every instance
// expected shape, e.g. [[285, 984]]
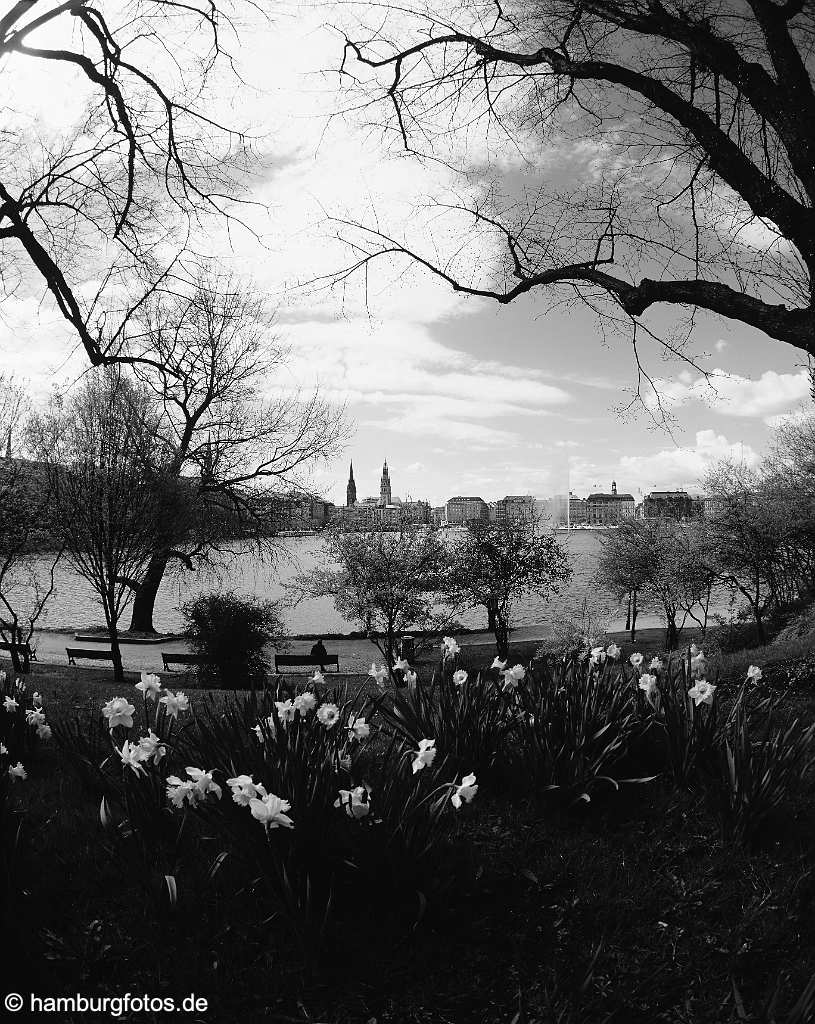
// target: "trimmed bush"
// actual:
[[230, 632]]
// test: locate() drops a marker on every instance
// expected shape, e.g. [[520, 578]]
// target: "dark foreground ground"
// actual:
[[632, 910]]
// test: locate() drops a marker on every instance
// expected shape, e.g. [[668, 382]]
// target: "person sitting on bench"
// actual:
[[319, 653]]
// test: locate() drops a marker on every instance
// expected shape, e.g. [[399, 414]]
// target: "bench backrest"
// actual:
[[306, 659], [6, 645], [80, 652]]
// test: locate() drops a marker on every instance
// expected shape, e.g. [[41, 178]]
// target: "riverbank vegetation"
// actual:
[[601, 838]]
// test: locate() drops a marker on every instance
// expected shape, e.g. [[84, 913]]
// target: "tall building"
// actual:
[[351, 489], [385, 487], [668, 505], [462, 510], [605, 509]]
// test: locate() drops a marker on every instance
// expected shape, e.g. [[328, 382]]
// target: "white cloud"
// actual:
[[721, 345], [669, 468], [733, 395], [395, 376]]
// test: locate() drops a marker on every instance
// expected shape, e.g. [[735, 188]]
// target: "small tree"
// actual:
[[25, 522], [751, 533], [97, 449], [649, 557], [231, 632], [388, 582], [500, 563]]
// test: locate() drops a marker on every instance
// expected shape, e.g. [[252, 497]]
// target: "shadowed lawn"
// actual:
[[632, 909]]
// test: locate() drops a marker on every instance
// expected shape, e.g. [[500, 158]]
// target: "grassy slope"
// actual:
[[675, 913]]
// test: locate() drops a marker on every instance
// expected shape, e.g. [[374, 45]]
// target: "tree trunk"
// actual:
[[490, 617], [628, 613], [633, 615], [141, 620], [672, 634], [501, 632]]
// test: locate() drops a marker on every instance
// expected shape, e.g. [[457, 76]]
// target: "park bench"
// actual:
[[91, 653], [180, 658], [292, 660]]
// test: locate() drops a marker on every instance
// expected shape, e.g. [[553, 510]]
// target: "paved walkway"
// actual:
[[355, 655]]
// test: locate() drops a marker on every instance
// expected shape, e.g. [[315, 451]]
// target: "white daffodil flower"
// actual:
[[648, 684], [449, 647], [358, 728], [702, 692], [132, 757], [328, 715], [285, 711], [269, 810], [175, 702], [465, 792], [460, 677], [150, 685], [425, 755], [119, 712], [357, 801], [305, 702]]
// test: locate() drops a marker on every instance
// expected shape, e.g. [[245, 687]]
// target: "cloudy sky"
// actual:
[[460, 395]]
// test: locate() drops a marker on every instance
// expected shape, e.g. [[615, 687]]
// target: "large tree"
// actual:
[[235, 434], [98, 451], [665, 150], [100, 211]]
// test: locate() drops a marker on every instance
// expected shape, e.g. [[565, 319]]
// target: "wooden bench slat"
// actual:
[[91, 654], [287, 660], [182, 658]]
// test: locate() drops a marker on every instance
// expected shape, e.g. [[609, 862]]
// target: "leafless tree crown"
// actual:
[[673, 140]]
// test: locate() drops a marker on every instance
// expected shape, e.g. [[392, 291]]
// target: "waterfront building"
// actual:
[[461, 510], [668, 505], [512, 507], [578, 510], [609, 508]]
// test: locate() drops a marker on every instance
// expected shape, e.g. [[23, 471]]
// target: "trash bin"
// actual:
[[406, 649]]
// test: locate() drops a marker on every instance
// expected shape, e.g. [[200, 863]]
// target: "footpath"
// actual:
[[355, 654]]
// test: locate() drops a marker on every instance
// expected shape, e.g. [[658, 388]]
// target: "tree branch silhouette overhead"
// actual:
[[117, 197], [702, 191]]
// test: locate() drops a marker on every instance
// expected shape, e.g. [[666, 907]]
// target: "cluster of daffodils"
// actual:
[[462, 792], [328, 715], [449, 647], [149, 749], [511, 676], [380, 675], [598, 655], [265, 807], [14, 704], [701, 692]]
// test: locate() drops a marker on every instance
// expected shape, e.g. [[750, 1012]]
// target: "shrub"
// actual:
[[230, 632]]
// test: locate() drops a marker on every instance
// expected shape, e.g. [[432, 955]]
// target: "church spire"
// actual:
[[385, 486], [351, 489]]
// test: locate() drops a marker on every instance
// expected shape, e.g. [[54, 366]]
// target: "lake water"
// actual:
[[74, 605]]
